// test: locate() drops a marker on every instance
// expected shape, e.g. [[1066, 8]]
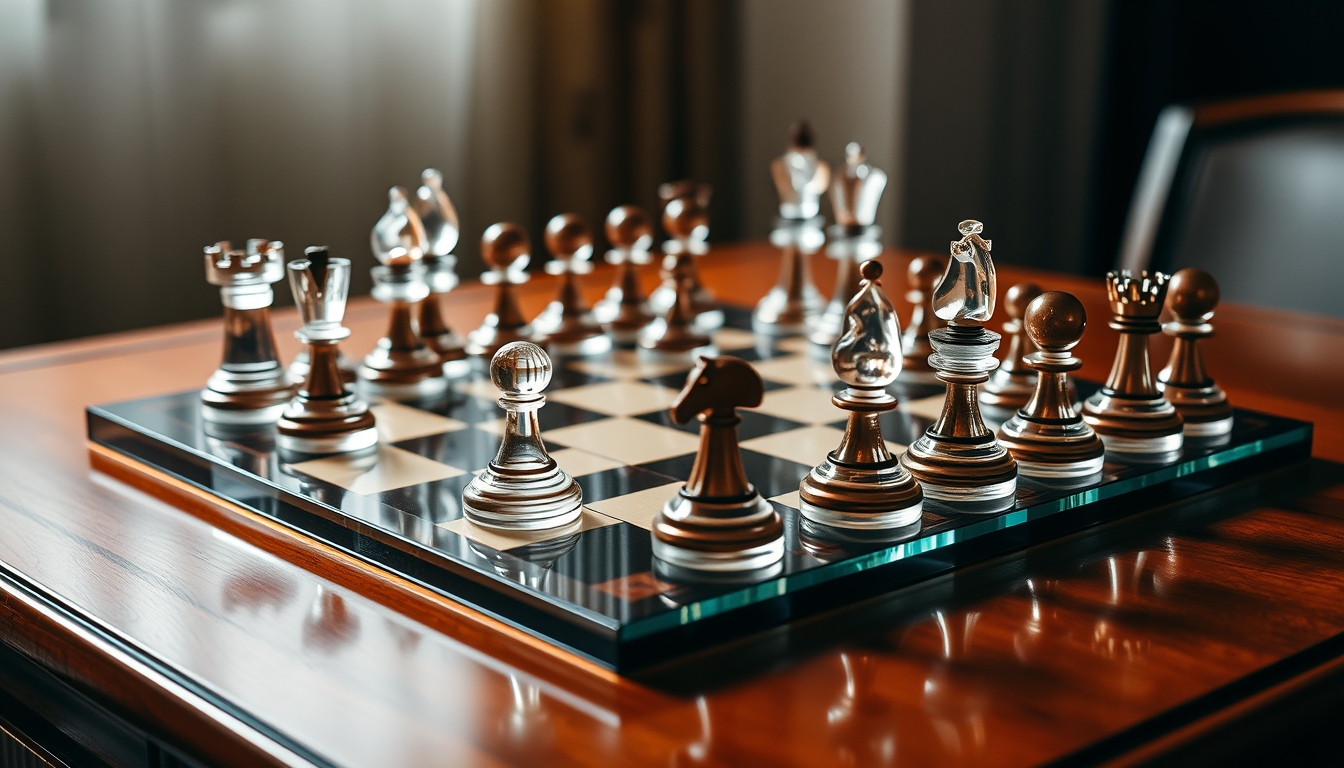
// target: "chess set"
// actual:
[[657, 474]]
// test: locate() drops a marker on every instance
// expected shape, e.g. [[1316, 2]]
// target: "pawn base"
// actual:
[[1051, 450], [779, 314], [1204, 410], [960, 470], [527, 501], [325, 427], [1134, 425], [861, 497], [402, 374], [717, 536]]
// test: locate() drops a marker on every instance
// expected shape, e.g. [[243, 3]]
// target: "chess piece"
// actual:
[[676, 335], [800, 178], [853, 240], [250, 386], [523, 489], [958, 459], [1129, 412], [401, 367], [718, 521], [922, 278], [1048, 437], [692, 240], [1191, 297], [566, 326], [325, 417], [624, 311], [506, 251], [439, 218], [1010, 386], [860, 484]]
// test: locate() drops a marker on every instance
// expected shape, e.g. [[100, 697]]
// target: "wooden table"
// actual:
[[140, 622]]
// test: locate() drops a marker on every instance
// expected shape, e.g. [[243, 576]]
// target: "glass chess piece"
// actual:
[[567, 327], [958, 459], [624, 311], [861, 485], [326, 416], [401, 366], [439, 218], [522, 489], [1185, 382], [854, 238], [250, 387], [506, 250], [800, 178]]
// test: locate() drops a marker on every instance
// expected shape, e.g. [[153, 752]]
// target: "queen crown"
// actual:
[[262, 262], [1137, 295]]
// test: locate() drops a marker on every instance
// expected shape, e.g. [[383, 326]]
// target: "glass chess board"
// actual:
[[594, 588]]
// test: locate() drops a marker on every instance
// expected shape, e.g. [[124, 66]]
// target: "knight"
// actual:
[[854, 238], [439, 218], [718, 522], [801, 178]]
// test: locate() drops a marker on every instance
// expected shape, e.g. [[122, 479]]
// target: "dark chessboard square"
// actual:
[[619, 481], [606, 553], [901, 427], [473, 410], [555, 415], [564, 377], [468, 449], [753, 424], [435, 503], [772, 476]]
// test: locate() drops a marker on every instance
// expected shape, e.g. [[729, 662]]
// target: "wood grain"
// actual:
[[266, 643]]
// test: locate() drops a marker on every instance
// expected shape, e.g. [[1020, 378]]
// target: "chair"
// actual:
[[1251, 190]]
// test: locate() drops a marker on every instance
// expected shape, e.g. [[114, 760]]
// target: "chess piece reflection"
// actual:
[[800, 178], [439, 218], [718, 521], [1203, 406], [329, 625], [522, 488], [566, 326], [955, 692], [1129, 412], [861, 722], [1047, 437], [325, 417], [958, 458], [1011, 384], [250, 386], [692, 242], [401, 367], [922, 277], [861, 485], [530, 564], [624, 311], [853, 240], [506, 251], [677, 335]]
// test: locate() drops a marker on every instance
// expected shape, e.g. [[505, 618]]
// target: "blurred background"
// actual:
[[134, 133]]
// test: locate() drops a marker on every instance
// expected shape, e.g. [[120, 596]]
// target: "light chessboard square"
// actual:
[[796, 344], [397, 422], [789, 499], [506, 540], [637, 508], [629, 441], [807, 446], [627, 364], [482, 388], [392, 468], [810, 405], [729, 339], [796, 369], [616, 398], [926, 407], [577, 463]]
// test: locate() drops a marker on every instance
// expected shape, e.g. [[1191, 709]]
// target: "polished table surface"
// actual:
[[1170, 630]]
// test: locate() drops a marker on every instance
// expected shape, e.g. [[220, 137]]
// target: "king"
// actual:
[[958, 458]]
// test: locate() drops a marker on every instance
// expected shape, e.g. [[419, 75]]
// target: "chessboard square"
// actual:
[[617, 398], [798, 370], [482, 388], [397, 422], [393, 468], [809, 405], [753, 424], [630, 441], [503, 541], [625, 364], [790, 500], [798, 345], [436, 502], [579, 463], [901, 428], [808, 445], [929, 408], [773, 475], [620, 481], [471, 448], [727, 339], [639, 508]]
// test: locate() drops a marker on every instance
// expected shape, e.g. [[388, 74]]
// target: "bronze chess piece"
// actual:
[[922, 278], [1010, 386], [704, 306], [800, 177], [958, 458], [676, 335], [718, 522], [1048, 437], [861, 485], [439, 218], [325, 417], [523, 489], [506, 250], [624, 311], [1129, 412], [853, 239], [1203, 406], [401, 367], [566, 326], [250, 386]]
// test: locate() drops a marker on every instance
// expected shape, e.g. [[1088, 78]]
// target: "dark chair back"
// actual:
[[1252, 191]]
